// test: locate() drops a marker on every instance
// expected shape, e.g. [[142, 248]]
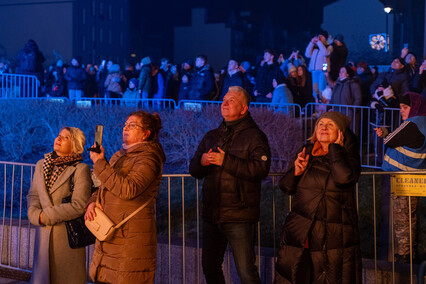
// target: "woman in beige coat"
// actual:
[[130, 179], [55, 176]]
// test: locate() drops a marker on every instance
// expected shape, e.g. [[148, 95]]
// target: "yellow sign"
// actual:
[[408, 185]]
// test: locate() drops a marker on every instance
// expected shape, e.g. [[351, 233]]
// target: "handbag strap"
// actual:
[[134, 213]]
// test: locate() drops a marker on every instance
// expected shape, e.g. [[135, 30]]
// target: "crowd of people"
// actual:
[[328, 77], [320, 239]]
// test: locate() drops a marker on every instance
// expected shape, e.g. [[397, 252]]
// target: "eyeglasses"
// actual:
[[63, 138], [131, 126]]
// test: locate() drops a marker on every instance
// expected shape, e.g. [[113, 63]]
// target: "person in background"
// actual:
[[338, 56], [281, 96], [233, 160], [76, 78], [202, 85], [232, 77], [184, 88], [320, 241], [114, 83], [421, 85], [145, 78], [267, 71], [131, 95], [319, 50], [61, 173], [363, 74], [405, 151], [102, 75], [295, 60], [130, 178]]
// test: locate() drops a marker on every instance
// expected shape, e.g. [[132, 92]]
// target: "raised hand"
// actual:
[[301, 163]]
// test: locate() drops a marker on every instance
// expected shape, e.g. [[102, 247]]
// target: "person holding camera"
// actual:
[[130, 179], [319, 51], [396, 77]]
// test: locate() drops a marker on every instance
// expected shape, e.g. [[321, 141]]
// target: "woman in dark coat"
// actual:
[[320, 239]]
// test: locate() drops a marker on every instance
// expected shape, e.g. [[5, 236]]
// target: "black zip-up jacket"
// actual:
[[231, 192]]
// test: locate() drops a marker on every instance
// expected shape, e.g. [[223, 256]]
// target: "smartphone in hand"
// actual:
[[98, 139]]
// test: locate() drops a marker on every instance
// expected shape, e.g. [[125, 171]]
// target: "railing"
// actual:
[[178, 222], [18, 86]]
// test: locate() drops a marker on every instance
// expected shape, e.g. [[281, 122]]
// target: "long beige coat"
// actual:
[[54, 261], [128, 181]]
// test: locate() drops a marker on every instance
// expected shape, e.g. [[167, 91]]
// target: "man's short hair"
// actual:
[[203, 57], [241, 90], [232, 59], [271, 52]]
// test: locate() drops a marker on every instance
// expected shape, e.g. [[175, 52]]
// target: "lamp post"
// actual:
[[387, 11]]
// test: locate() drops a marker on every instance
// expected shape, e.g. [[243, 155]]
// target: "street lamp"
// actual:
[[387, 11]]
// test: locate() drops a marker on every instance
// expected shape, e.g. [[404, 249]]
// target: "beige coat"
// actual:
[[128, 181], [54, 261]]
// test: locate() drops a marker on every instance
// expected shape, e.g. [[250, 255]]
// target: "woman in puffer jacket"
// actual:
[[320, 240]]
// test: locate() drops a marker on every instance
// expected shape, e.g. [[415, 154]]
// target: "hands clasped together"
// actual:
[[213, 158]]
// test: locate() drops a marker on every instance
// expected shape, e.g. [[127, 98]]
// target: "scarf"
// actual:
[[54, 166], [317, 150]]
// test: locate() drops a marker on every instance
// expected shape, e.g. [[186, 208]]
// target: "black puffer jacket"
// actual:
[[324, 213], [231, 192]]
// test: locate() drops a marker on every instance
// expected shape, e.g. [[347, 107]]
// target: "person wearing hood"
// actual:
[[405, 151], [114, 82], [396, 77], [233, 159], [130, 178], [145, 78], [76, 78], [320, 241]]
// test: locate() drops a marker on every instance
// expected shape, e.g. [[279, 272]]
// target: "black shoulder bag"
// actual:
[[78, 234]]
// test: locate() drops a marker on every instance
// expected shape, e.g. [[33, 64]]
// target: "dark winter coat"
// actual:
[[337, 60], [202, 85], [346, 92], [76, 77], [398, 79], [236, 79], [231, 192], [145, 79], [302, 95], [324, 213], [264, 77]]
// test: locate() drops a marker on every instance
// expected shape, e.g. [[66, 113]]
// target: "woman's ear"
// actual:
[[147, 134]]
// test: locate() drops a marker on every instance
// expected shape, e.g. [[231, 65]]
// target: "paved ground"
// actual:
[[11, 281]]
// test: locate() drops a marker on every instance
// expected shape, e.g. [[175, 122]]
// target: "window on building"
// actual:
[[93, 8], [93, 34]]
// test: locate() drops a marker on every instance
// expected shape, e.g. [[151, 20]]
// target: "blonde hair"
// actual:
[[78, 139]]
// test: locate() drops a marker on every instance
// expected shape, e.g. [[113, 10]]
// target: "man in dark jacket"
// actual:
[[233, 159], [76, 77], [338, 56], [233, 77], [268, 71], [202, 85]]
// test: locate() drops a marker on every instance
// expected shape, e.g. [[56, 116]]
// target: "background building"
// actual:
[[95, 29]]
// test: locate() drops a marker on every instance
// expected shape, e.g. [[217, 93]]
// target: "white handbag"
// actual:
[[103, 228]]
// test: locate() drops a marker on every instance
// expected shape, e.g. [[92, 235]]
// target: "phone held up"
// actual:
[[324, 67], [98, 139]]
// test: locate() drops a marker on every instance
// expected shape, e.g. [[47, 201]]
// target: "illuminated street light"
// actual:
[[388, 10]]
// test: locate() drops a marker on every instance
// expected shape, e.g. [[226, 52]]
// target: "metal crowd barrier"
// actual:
[[152, 104], [18, 86], [178, 223]]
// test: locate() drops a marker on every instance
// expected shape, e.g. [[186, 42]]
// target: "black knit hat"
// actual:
[[405, 100], [341, 120]]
